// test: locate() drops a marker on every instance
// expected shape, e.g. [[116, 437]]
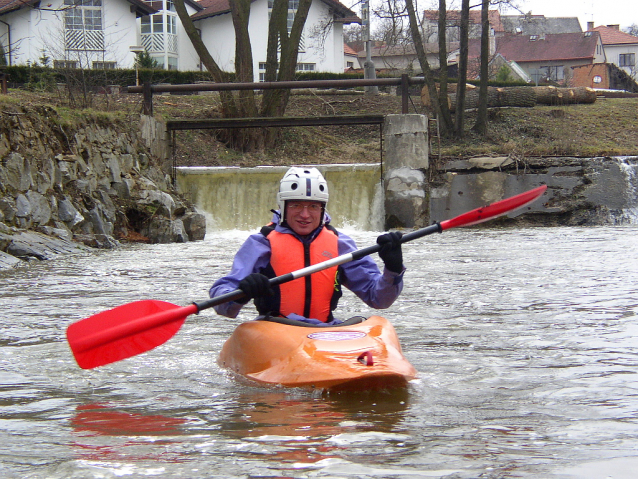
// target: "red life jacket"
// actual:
[[313, 296]]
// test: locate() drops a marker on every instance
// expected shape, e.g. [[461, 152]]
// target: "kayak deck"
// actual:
[[363, 356]]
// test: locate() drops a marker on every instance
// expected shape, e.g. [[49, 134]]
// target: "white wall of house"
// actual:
[[35, 32], [221, 27], [188, 58], [614, 53], [318, 54]]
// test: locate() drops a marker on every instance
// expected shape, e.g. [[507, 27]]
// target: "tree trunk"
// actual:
[[481, 117], [278, 67], [500, 97], [442, 89], [229, 109], [463, 50], [444, 125], [275, 102], [551, 95]]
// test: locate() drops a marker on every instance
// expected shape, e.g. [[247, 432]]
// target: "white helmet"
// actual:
[[302, 184]]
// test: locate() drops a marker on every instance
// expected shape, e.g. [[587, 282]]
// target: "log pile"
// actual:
[[499, 97], [521, 97], [551, 95]]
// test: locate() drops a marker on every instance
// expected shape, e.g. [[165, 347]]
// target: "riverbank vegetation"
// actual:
[[608, 127]]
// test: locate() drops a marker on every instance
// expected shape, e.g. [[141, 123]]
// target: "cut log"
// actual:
[[551, 95], [425, 98], [523, 97]]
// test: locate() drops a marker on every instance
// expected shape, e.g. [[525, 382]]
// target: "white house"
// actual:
[[162, 35], [621, 48], [100, 33], [322, 38], [71, 33]]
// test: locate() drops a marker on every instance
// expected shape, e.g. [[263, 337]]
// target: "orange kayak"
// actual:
[[361, 354]]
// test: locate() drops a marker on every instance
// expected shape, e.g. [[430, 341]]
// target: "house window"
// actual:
[[555, 73], [171, 24], [159, 60], [627, 60], [172, 63], [104, 65], [64, 64], [306, 67], [349, 64], [152, 23], [83, 15]]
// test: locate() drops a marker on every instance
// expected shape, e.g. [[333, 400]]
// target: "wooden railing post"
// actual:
[[405, 93], [148, 99]]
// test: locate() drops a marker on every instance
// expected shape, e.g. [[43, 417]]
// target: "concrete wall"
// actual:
[[405, 152]]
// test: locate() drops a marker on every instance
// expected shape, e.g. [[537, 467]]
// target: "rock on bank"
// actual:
[[85, 181]]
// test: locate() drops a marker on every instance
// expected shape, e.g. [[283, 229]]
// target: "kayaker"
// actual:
[[300, 235]]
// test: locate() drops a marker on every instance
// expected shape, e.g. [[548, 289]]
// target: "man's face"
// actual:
[[303, 216]]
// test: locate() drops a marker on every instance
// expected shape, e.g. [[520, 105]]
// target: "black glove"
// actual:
[[255, 285], [390, 251]]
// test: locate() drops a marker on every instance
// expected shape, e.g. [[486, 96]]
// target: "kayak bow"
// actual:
[[354, 357]]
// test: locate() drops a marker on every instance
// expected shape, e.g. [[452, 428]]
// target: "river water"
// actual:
[[526, 343]]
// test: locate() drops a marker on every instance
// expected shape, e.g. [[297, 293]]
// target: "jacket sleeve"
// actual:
[[362, 277], [252, 257]]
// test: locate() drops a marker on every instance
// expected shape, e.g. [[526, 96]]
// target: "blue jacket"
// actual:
[[362, 277]]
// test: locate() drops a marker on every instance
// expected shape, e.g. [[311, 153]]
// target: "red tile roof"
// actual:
[[348, 50], [561, 46], [453, 17], [613, 36], [9, 5], [213, 8]]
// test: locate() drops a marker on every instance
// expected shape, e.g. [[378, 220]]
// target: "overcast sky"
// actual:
[[601, 12]]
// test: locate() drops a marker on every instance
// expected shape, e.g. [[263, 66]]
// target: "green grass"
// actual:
[[607, 127]]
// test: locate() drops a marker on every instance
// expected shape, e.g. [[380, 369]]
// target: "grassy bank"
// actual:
[[608, 127]]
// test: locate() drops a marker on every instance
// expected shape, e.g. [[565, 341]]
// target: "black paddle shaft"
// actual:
[[344, 258]]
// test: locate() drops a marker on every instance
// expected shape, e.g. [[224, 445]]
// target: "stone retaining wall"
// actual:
[[95, 184]]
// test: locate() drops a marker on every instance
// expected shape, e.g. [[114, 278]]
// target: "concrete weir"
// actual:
[[581, 191], [241, 198]]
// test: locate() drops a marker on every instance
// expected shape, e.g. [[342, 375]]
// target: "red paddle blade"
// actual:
[[498, 208], [125, 331]]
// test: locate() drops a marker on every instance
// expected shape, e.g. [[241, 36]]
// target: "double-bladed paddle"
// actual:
[[137, 327]]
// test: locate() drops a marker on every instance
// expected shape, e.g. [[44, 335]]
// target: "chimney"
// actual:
[[590, 26], [615, 27]]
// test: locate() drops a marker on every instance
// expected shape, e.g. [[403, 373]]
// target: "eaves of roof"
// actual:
[[7, 6], [213, 8]]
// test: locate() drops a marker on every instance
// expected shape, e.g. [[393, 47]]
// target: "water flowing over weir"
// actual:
[[629, 214], [241, 198]]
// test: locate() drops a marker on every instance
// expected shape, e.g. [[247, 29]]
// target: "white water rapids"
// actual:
[[525, 341]]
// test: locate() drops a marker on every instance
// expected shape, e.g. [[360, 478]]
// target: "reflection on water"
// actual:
[[525, 343]]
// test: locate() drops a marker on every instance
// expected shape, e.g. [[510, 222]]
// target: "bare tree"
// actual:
[[445, 121], [280, 66], [632, 29], [464, 31], [481, 118]]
